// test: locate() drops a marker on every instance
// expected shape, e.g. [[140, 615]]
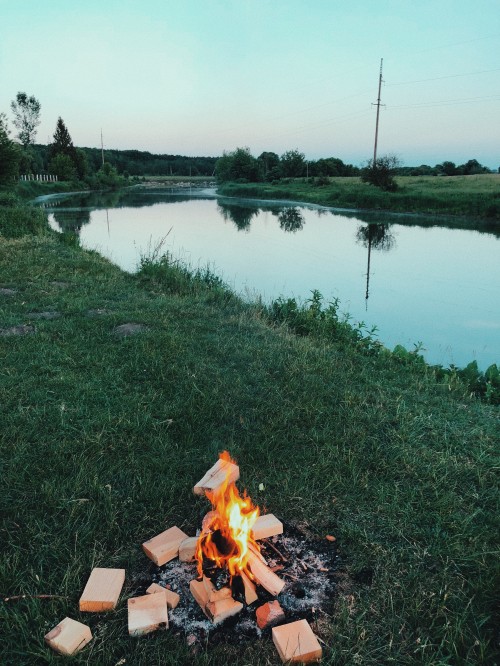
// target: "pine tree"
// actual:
[[62, 141], [63, 159]]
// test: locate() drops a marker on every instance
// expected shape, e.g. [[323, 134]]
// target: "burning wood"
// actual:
[[187, 549], [267, 526], [224, 470], [217, 611], [264, 576]]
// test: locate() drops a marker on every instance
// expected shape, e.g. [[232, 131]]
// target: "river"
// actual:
[[419, 283]]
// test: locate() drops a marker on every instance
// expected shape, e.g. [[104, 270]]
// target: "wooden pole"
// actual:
[[378, 112]]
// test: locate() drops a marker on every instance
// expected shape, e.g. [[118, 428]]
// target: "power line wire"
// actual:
[[440, 78]]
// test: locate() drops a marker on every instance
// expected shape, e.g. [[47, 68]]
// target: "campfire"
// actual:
[[229, 570], [236, 566], [228, 556]]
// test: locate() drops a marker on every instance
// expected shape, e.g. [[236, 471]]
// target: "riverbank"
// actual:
[[103, 436], [474, 196]]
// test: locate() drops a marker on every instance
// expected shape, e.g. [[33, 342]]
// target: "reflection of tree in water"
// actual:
[[240, 215], [376, 236], [71, 221], [291, 219]]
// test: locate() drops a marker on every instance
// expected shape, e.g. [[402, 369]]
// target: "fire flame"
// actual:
[[227, 530]]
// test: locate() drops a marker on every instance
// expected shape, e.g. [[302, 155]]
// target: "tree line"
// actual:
[[97, 168], [93, 166]]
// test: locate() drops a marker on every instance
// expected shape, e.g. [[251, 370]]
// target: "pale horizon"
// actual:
[[199, 78]]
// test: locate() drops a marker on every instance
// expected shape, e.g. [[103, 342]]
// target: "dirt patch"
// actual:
[[49, 314], [98, 312], [125, 330], [22, 329]]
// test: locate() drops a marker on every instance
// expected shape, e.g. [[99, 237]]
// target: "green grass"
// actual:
[[474, 196], [102, 439]]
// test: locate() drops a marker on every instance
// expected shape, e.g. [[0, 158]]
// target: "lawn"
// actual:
[[104, 436]]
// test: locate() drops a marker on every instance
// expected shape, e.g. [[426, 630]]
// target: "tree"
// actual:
[[26, 112], [271, 165], [239, 165], [62, 141], [293, 164], [381, 172], [62, 166], [447, 168], [9, 153]]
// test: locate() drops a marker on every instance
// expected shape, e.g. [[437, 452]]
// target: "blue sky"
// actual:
[[197, 77]]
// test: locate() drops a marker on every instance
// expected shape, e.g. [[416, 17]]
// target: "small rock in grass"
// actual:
[[130, 329], [49, 314], [22, 329]]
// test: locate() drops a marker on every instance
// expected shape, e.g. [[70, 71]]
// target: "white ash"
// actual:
[[308, 572]]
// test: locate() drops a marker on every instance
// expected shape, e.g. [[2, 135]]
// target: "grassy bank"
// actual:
[[103, 437], [476, 196]]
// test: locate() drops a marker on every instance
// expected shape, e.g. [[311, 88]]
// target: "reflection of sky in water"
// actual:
[[435, 285]]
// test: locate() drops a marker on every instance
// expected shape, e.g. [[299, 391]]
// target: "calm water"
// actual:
[[425, 284]]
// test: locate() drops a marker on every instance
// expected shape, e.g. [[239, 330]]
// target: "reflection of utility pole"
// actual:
[[368, 267], [107, 220], [378, 112]]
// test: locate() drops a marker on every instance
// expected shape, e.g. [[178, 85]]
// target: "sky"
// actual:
[[197, 77]]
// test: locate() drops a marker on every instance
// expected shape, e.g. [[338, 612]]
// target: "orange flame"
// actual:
[[227, 529]]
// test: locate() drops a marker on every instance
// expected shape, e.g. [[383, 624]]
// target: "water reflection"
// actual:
[[378, 237], [241, 216], [71, 221], [291, 219]]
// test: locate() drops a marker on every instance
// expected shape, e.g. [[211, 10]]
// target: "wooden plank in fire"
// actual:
[[216, 476], [217, 611], [264, 576], [267, 526]]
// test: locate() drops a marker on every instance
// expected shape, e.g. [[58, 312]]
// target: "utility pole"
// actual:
[[102, 149], [378, 112]]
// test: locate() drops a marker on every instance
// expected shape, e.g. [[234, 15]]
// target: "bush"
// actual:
[[381, 173], [17, 221]]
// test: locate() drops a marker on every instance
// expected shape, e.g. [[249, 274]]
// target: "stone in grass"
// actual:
[[22, 329], [269, 614], [124, 330], [68, 637], [147, 613], [296, 643], [49, 314], [97, 312]]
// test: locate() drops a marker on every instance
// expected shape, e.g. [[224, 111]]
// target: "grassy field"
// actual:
[[103, 437], [476, 196]]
